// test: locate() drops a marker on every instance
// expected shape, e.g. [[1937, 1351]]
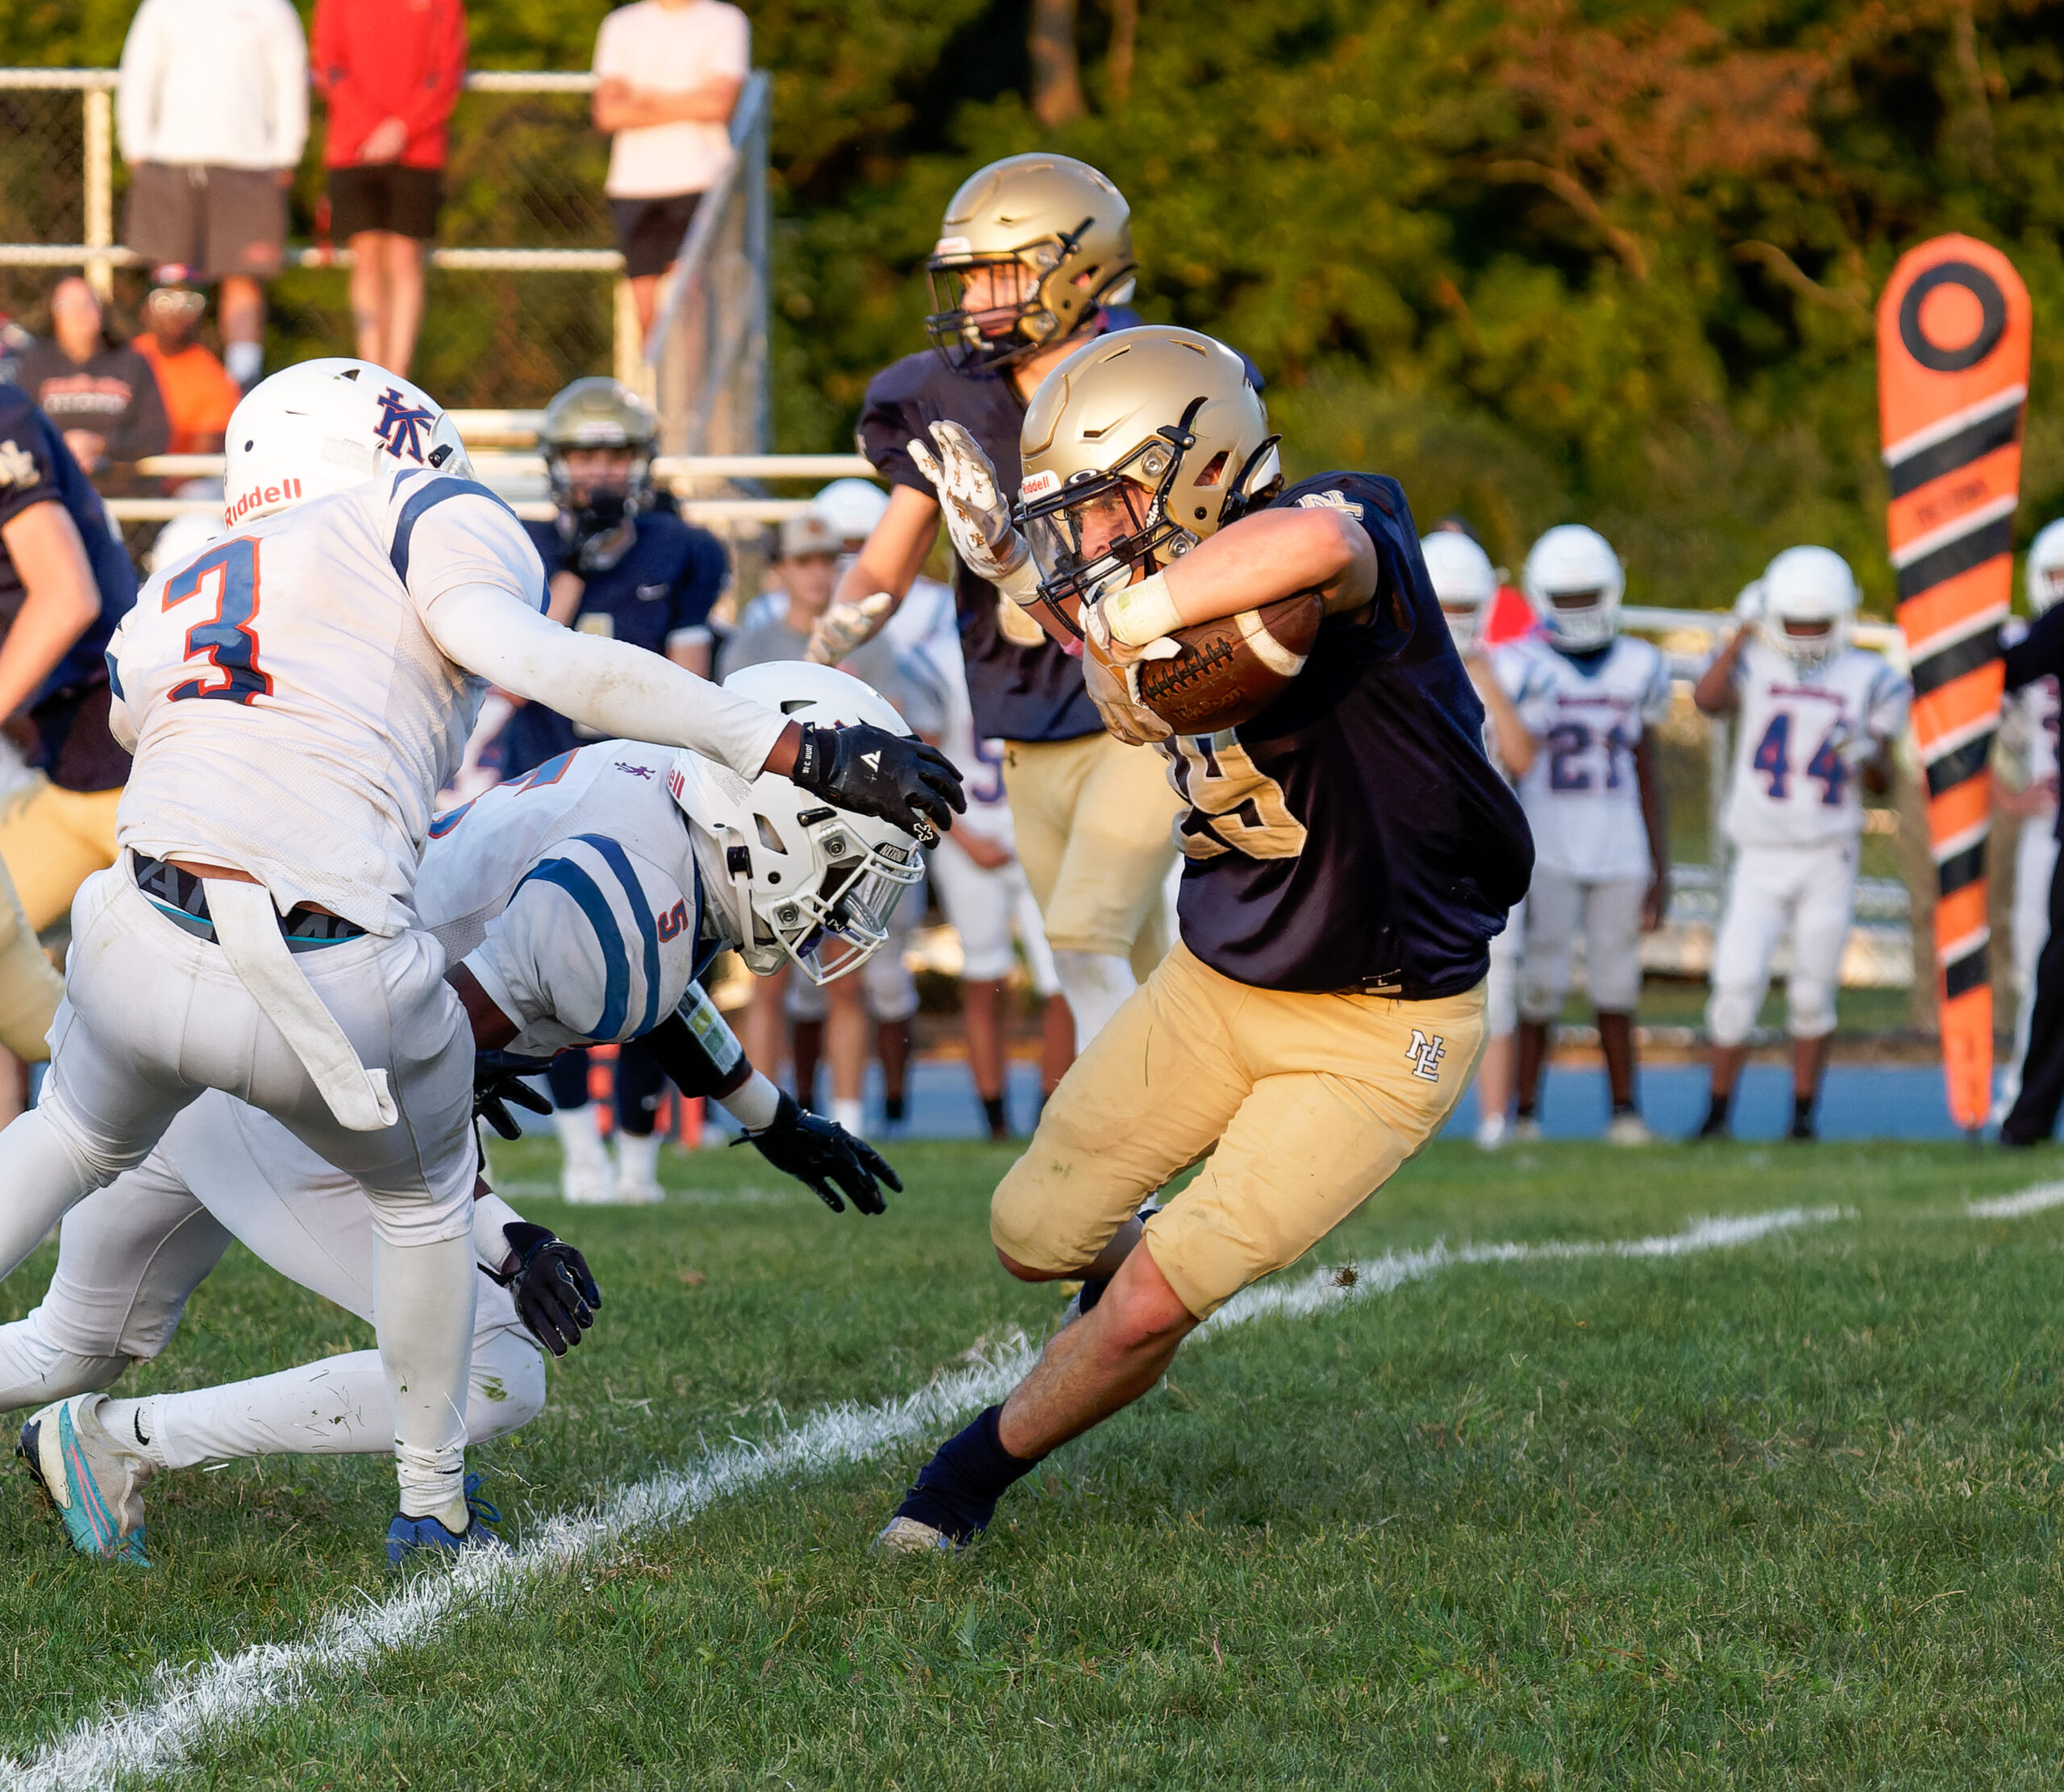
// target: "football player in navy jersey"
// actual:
[[1033, 258], [622, 565], [1351, 852]]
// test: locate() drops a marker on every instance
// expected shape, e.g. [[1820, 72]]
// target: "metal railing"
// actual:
[[523, 164]]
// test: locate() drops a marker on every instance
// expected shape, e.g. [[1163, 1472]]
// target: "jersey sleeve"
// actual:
[[29, 472], [443, 533], [1892, 696], [890, 418], [1655, 694], [581, 947], [1404, 605]]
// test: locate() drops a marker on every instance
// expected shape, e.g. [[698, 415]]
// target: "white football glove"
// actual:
[[1115, 690], [845, 626], [1017, 624], [977, 513]]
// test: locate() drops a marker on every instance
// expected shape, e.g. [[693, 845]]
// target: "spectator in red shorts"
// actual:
[[392, 73]]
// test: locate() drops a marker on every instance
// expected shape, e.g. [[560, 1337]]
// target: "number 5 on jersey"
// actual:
[[226, 579]]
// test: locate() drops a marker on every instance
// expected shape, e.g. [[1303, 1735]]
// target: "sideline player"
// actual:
[[2030, 723], [295, 697], [1034, 256], [1350, 852], [1590, 695], [573, 908], [623, 567], [1814, 716], [1466, 586]]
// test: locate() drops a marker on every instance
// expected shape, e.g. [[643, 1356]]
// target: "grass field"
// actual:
[[1784, 1514]]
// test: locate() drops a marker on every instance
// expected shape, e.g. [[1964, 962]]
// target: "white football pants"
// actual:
[[1501, 991], [1807, 892], [153, 1017], [2035, 863], [988, 907], [130, 1254], [1609, 912]]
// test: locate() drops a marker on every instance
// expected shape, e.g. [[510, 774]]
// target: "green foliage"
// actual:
[[1611, 259]]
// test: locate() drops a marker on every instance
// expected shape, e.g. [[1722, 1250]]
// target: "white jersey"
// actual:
[[573, 895], [292, 715], [1582, 798], [1800, 737]]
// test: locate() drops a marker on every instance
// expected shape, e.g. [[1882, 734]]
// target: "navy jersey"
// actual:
[[70, 710], [666, 582], [1353, 835], [1017, 693]]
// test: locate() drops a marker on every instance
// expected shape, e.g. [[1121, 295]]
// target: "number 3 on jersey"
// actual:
[[227, 637]]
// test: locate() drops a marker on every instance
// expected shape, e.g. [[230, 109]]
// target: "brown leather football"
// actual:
[[1232, 669]]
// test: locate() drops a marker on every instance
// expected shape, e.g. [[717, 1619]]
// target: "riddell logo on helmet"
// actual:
[[1037, 485], [288, 491]]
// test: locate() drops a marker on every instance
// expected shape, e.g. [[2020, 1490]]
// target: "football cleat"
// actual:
[[1491, 1132], [89, 1476], [911, 1537], [1526, 1130], [586, 1178], [411, 1538], [637, 1171], [1628, 1129]]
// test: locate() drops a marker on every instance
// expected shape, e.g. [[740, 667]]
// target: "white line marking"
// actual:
[[191, 1704], [2038, 1199]]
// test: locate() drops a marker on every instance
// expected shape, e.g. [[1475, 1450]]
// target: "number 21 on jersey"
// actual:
[[225, 581]]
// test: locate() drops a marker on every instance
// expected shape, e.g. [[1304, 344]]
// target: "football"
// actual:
[[1232, 668]]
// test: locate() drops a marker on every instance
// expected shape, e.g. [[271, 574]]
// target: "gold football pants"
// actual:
[[1095, 821], [51, 840], [1306, 1104], [30, 989]]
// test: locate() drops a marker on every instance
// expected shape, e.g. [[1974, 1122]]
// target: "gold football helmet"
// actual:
[[1136, 448], [1029, 248], [600, 412]]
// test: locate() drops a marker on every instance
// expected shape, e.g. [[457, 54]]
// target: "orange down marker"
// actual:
[[1953, 377]]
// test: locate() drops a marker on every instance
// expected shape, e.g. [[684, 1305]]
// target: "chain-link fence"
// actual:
[[521, 292]]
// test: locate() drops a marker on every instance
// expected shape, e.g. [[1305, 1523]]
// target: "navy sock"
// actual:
[[958, 1490], [993, 1111], [1092, 1291]]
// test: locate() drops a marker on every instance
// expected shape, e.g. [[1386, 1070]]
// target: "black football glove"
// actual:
[[895, 777], [556, 1298], [820, 1151], [498, 1081]]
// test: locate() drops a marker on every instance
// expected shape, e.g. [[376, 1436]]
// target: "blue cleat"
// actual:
[[93, 1480], [410, 1537]]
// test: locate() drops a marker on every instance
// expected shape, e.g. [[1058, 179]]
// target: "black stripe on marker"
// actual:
[[1962, 869], [1974, 549], [1969, 444], [1954, 768], [1960, 657], [1964, 974]]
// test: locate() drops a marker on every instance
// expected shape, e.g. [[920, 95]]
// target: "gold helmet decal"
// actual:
[[1136, 448], [1028, 249]]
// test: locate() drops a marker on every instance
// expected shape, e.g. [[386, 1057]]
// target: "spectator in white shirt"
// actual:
[[212, 110], [671, 72]]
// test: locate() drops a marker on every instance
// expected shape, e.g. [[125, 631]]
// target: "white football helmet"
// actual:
[[1464, 582], [851, 506], [1810, 590], [324, 427], [808, 883], [2046, 568], [1575, 582]]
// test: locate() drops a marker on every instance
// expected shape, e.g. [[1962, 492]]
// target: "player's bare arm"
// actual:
[[60, 599], [1516, 745], [1716, 692]]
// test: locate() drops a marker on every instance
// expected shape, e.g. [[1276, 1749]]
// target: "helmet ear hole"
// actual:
[[769, 838]]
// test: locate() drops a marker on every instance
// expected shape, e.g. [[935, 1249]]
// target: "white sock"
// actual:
[[849, 1115], [34, 1371], [336, 1407], [243, 362], [423, 1316], [1097, 984], [585, 1174]]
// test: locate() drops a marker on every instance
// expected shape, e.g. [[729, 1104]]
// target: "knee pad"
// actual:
[[1730, 1014], [1809, 1009]]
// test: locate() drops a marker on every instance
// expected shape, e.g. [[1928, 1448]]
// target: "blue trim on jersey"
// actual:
[[115, 677], [616, 964], [427, 497], [618, 861]]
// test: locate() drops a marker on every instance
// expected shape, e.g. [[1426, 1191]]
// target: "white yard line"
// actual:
[[2042, 1196], [191, 1704]]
